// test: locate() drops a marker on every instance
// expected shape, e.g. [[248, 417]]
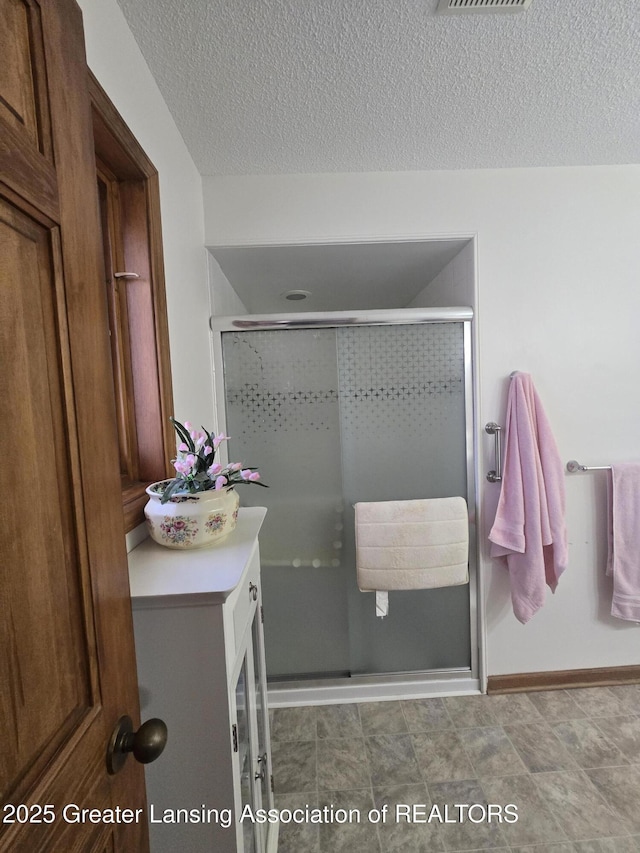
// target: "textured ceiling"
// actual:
[[285, 86]]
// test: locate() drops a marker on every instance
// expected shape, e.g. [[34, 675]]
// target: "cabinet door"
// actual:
[[265, 771], [244, 754]]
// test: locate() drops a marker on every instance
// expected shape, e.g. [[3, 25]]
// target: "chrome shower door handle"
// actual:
[[494, 429]]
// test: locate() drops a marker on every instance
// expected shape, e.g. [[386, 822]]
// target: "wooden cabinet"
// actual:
[[200, 650]]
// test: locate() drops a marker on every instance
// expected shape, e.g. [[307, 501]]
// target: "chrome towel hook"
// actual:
[[494, 429]]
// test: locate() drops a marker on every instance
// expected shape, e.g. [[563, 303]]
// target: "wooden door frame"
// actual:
[[150, 363]]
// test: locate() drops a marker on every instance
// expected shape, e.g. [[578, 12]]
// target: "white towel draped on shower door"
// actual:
[[415, 544]]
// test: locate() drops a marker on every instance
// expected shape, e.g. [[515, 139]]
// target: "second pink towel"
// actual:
[[624, 540]]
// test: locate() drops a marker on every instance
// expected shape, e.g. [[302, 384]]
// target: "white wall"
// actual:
[[225, 302], [454, 285], [558, 267], [116, 61]]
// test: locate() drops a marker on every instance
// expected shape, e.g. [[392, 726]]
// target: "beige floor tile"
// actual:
[[587, 744], [442, 757], [624, 732], [338, 721], [342, 764], [425, 715], [491, 752], [557, 705], [382, 718], [392, 760], [539, 748], [577, 805], [598, 701], [513, 708], [526, 749]]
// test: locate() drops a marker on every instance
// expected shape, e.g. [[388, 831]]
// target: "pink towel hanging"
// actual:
[[529, 529], [624, 540]]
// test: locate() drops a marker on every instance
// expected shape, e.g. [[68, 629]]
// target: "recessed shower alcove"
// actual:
[[373, 400]]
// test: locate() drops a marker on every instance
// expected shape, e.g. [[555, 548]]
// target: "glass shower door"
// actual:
[[282, 415], [333, 416], [403, 436]]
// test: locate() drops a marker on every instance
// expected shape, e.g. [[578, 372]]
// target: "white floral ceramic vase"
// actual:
[[191, 521]]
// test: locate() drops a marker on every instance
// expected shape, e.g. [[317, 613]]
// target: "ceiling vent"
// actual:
[[451, 6]]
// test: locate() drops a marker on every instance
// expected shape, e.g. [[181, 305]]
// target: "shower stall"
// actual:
[[335, 409]]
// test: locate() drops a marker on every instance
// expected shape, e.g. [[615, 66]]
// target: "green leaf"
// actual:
[[173, 487], [183, 434]]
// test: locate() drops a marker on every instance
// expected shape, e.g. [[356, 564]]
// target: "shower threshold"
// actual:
[[372, 688]]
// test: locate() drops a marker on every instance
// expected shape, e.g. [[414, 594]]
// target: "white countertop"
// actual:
[[156, 572]]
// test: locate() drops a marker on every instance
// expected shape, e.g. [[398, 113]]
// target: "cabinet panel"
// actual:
[[201, 667], [47, 679], [244, 756], [183, 680], [247, 596], [19, 65], [26, 158], [264, 770]]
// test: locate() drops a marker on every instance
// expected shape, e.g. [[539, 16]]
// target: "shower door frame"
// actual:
[[383, 686]]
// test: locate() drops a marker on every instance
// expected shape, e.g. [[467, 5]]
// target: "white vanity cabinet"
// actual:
[[200, 650]]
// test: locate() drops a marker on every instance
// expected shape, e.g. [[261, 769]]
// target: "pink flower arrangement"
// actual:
[[196, 468]]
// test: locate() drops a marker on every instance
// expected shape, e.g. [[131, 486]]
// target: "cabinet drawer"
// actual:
[[247, 596]]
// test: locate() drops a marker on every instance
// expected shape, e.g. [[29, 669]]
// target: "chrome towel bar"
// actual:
[[573, 466], [495, 430]]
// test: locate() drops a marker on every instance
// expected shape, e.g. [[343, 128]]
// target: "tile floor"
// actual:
[[568, 759]]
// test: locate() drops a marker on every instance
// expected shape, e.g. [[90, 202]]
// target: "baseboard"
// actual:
[[563, 679]]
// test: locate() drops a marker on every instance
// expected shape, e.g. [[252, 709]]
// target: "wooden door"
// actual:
[[67, 666]]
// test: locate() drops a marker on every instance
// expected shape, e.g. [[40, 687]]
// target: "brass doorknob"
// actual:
[[146, 744]]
